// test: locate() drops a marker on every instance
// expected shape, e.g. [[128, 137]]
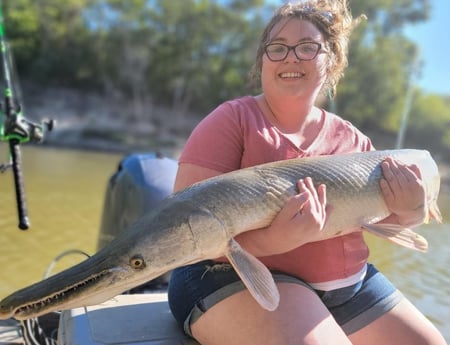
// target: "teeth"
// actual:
[[291, 75]]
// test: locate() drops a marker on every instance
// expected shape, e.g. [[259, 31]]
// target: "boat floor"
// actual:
[[10, 333], [137, 319]]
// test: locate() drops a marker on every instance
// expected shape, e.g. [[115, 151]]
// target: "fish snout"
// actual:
[[5, 311]]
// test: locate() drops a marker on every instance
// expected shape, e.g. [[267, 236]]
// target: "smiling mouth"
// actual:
[[291, 75]]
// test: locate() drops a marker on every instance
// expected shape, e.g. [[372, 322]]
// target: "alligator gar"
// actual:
[[200, 222]]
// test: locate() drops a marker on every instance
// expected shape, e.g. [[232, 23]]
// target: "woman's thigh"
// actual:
[[403, 324], [301, 318]]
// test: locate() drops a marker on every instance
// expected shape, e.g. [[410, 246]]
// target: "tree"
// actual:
[[381, 61], [21, 27], [191, 55], [429, 125], [49, 39]]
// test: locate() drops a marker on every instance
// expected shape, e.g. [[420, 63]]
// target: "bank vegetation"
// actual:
[[156, 67]]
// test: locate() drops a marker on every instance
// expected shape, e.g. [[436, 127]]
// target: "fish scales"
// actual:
[[200, 222]]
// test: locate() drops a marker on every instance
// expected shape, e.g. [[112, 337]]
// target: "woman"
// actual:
[[329, 293]]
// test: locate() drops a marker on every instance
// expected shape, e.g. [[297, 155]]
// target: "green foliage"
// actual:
[[181, 52], [382, 65], [49, 39], [193, 54], [22, 25], [429, 125], [376, 83]]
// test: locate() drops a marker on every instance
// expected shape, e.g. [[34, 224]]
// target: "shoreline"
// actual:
[[171, 150]]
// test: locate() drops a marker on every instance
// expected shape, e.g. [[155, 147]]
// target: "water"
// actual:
[[65, 191], [423, 278]]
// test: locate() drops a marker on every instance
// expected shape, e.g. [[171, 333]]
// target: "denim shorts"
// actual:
[[195, 288]]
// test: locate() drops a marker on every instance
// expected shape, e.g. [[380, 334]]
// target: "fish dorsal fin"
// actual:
[[399, 235], [255, 275]]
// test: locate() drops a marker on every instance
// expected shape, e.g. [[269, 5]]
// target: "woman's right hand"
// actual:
[[300, 221], [303, 217]]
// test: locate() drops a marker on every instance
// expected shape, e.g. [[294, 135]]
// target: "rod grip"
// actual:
[[22, 210]]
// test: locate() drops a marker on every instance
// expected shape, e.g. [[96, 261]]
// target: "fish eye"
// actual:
[[137, 262]]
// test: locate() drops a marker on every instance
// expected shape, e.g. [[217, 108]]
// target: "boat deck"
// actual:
[[10, 333], [138, 319]]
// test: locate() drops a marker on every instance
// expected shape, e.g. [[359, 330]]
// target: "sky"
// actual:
[[433, 39]]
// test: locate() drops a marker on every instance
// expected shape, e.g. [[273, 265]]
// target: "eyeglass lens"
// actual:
[[303, 51]]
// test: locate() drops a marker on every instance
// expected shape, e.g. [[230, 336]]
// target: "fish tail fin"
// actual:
[[255, 275], [399, 235], [434, 212]]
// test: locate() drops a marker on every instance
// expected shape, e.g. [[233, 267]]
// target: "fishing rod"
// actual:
[[15, 128]]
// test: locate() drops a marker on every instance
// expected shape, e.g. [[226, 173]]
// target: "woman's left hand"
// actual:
[[404, 192]]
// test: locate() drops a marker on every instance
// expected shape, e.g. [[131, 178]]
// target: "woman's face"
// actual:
[[291, 76]]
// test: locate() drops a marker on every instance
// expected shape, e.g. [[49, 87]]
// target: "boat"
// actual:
[[142, 315]]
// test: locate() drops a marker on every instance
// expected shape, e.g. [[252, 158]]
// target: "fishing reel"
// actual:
[[18, 126], [16, 129]]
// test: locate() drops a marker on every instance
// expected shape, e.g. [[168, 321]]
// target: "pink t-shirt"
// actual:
[[237, 135]]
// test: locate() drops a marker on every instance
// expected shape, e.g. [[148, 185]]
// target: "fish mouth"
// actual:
[[48, 303]]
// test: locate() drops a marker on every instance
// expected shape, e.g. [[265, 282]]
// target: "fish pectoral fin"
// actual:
[[399, 235], [255, 275]]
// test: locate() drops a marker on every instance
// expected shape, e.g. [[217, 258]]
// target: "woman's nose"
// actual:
[[291, 56]]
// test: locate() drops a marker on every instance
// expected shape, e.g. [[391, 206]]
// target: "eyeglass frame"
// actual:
[[293, 48]]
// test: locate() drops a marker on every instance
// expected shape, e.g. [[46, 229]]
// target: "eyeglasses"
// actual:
[[303, 51]]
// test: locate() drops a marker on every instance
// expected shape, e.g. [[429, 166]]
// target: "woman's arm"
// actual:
[[300, 220], [189, 174]]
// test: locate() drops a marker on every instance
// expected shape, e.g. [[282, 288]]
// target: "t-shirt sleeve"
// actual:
[[342, 137], [216, 142], [361, 140]]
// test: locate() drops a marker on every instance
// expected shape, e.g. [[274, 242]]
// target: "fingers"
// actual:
[[400, 174], [315, 196], [386, 191], [307, 188], [294, 205], [399, 178], [303, 216], [314, 200], [402, 187], [309, 199]]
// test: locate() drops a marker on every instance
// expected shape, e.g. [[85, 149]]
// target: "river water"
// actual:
[[65, 191]]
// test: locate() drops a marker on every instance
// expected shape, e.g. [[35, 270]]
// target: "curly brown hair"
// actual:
[[334, 20]]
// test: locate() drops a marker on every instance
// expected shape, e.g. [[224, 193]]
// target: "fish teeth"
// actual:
[[55, 297]]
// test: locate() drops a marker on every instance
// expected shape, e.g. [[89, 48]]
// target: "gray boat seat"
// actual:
[[138, 319]]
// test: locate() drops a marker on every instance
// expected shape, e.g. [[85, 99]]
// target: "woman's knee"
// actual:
[[301, 316]]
